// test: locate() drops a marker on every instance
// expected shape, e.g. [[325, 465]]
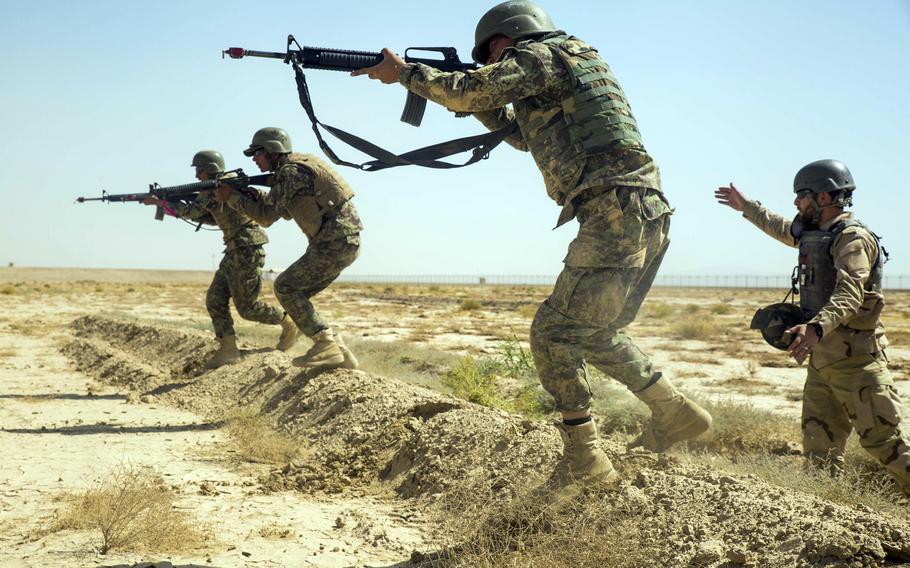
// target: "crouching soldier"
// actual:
[[848, 385], [317, 198], [239, 274]]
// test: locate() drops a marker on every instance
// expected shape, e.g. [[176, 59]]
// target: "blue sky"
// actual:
[[116, 95]]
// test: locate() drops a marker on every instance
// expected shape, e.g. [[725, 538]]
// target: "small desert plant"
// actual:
[[721, 309], [471, 380], [132, 509], [469, 305], [8, 290], [693, 329], [257, 441]]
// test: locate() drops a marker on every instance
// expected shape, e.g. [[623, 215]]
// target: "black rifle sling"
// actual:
[[429, 156]]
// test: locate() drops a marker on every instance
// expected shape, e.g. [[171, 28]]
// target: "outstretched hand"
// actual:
[[731, 197], [386, 70]]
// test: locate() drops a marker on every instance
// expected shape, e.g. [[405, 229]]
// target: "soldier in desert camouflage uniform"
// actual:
[[577, 124], [848, 384], [239, 274], [309, 191]]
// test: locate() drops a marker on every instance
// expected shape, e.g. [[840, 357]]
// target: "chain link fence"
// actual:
[[892, 282]]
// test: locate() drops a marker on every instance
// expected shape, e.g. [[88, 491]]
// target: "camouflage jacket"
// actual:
[[301, 182], [237, 229], [855, 252], [534, 79]]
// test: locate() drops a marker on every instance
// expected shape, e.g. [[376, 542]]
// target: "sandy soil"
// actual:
[[61, 429], [380, 451]]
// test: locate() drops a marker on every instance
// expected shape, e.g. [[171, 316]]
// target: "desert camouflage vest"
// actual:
[[596, 116], [818, 277], [330, 192]]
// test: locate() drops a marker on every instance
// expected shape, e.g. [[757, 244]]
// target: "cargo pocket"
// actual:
[[878, 413]]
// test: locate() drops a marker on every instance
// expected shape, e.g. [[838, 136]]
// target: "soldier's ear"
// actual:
[[825, 198]]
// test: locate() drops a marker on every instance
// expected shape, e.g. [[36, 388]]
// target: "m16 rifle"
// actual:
[[349, 60], [237, 179]]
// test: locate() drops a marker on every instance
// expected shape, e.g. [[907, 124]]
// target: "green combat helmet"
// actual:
[[272, 140], [825, 176], [773, 321], [210, 161], [514, 19]]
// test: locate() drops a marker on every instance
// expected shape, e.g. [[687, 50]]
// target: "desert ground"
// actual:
[[120, 447]]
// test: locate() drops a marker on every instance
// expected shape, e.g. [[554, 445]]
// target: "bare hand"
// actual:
[[731, 197], [804, 341], [223, 192], [151, 200], [386, 71]]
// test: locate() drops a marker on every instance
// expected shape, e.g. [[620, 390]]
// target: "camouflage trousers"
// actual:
[[582, 320], [239, 277], [856, 393], [312, 273]]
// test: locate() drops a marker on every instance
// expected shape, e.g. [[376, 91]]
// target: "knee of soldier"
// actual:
[[282, 286], [244, 308], [818, 439]]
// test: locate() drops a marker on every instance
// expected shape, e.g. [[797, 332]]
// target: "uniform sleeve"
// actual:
[[853, 254], [192, 212], [520, 75], [771, 223], [263, 210], [499, 118]]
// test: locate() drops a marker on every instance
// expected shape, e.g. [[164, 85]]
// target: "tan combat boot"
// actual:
[[324, 354], [674, 417], [350, 361], [227, 352], [289, 333], [583, 464]]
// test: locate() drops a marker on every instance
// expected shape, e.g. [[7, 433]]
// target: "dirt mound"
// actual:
[[710, 517], [364, 431]]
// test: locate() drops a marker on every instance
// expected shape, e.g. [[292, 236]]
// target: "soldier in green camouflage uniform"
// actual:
[[317, 198], [574, 119], [239, 274], [848, 384]]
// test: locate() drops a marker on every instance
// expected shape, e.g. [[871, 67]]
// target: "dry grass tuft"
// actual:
[[594, 532], [698, 329], [741, 428], [132, 509], [258, 442], [8, 290], [469, 305], [721, 309]]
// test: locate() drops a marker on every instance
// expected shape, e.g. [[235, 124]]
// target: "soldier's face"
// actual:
[[261, 159], [202, 175], [495, 47], [803, 202]]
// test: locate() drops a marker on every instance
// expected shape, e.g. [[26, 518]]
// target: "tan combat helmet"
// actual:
[[271, 139], [514, 19], [210, 161]]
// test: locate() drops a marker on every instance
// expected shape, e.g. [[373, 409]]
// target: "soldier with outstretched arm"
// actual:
[[575, 120], [848, 385], [316, 197], [239, 274]]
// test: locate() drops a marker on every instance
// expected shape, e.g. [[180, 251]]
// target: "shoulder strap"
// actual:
[[429, 156]]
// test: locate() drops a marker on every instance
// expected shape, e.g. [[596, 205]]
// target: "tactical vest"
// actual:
[[594, 119], [818, 277], [330, 192], [237, 229]]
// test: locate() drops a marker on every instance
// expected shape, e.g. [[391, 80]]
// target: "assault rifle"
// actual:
[[172, 194], [348, 60]]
